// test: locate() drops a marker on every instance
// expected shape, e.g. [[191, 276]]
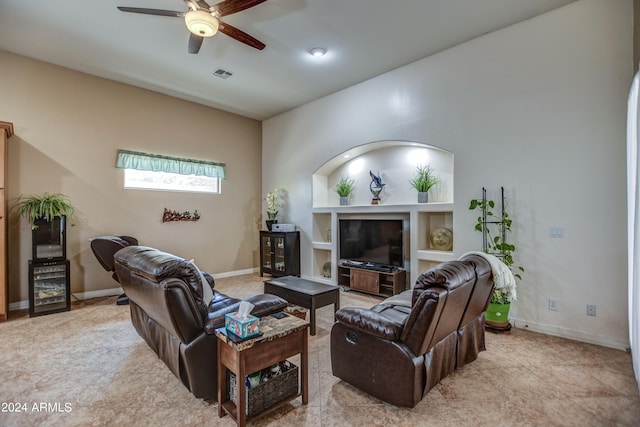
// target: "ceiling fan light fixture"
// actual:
[[318, 51], [201, 23]]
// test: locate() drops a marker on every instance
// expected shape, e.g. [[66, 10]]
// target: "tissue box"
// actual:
[[243, 328]]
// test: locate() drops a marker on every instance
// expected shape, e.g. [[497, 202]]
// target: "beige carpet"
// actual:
[[89, 367]]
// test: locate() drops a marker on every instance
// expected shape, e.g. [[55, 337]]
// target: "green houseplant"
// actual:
[[344, 188], [497, 313], [422, 181], [47, 207]]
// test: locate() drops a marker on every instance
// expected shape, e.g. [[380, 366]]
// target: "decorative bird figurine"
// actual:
[[375, 187]]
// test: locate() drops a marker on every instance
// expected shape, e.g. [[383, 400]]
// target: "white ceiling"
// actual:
[[364, 38]]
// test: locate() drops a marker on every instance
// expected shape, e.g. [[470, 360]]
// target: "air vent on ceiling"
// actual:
[[223, 74]]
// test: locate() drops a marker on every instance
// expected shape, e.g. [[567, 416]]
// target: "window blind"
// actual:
[[157, 163]]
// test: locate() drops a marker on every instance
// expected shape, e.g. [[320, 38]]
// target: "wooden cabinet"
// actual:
[[365, 281], [372, 281], [280, 253], [6, 131]]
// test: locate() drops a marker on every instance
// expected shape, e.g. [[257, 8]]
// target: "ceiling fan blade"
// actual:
[[203, 4], [157, 12], [228, 7], [240, 35], [194, 43]]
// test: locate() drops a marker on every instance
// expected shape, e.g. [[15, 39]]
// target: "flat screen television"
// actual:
[[376, 241]]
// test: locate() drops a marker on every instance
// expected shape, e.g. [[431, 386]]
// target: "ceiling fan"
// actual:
[[203, 20]]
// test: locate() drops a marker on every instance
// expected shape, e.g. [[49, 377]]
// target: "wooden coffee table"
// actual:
[[305, 293]]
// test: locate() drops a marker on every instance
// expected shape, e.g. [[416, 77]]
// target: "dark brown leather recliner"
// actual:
[[167, 310], [105, 248], [471, 329], [397, 352]]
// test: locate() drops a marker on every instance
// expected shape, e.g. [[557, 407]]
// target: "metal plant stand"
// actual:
[[502, 233]]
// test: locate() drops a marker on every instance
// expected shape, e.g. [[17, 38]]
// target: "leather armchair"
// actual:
[[471, 330], [168, 311], [397, 352]]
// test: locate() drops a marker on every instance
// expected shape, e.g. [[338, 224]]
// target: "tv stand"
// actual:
[[365, 278]]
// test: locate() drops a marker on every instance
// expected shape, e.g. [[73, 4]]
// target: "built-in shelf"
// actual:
[[395, 162], [440, 256], [422, 219], [322, 245]]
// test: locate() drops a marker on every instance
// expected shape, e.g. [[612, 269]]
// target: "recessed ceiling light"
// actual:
[[318, 51]]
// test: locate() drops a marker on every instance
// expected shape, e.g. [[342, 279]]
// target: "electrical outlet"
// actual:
[[591, 309], [553, 304]]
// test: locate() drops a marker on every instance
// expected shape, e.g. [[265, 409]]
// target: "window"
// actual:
[[150, 180], [154, 172]]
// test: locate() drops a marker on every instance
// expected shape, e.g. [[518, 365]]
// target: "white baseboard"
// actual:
[[235, 273], [21, 305], [572, 334], [97, 294]]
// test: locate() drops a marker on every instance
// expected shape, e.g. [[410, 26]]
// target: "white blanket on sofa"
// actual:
[[502, 276]]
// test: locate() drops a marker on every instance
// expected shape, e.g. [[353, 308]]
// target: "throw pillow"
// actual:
[[207, 292]]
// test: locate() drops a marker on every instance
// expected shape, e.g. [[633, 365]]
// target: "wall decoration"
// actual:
[[326, 270], [168, 216], [441, 239]]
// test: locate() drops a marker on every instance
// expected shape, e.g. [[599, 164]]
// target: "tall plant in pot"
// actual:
[[422, 181], [344, 188], [497, 314], [45, 207]]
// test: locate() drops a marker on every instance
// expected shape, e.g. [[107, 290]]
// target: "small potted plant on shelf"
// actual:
[[274, 202], [46, 207], [422, 181], [344, 188]]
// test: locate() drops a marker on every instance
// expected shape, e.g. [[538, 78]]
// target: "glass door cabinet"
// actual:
[[49, 287], [280, 253]]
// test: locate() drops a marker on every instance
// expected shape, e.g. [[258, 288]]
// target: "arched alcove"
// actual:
[[395, 162]]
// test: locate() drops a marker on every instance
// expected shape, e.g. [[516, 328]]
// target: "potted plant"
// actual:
[[344, 188], [497, 314], [422, 181], [45, 207], [274, 202]]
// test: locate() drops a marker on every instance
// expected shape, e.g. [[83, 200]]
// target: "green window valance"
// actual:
[[153, 162]]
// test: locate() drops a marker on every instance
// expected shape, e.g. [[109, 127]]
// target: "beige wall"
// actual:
[[68, 126]]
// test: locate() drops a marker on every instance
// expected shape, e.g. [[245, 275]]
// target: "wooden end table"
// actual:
[[281, 339], [305, 293]]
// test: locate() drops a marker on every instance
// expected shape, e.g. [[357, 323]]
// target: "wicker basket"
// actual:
[[296, 311], [267, 394]]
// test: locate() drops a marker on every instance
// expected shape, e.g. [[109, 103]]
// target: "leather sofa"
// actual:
[[401, 348], [168, 311]]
